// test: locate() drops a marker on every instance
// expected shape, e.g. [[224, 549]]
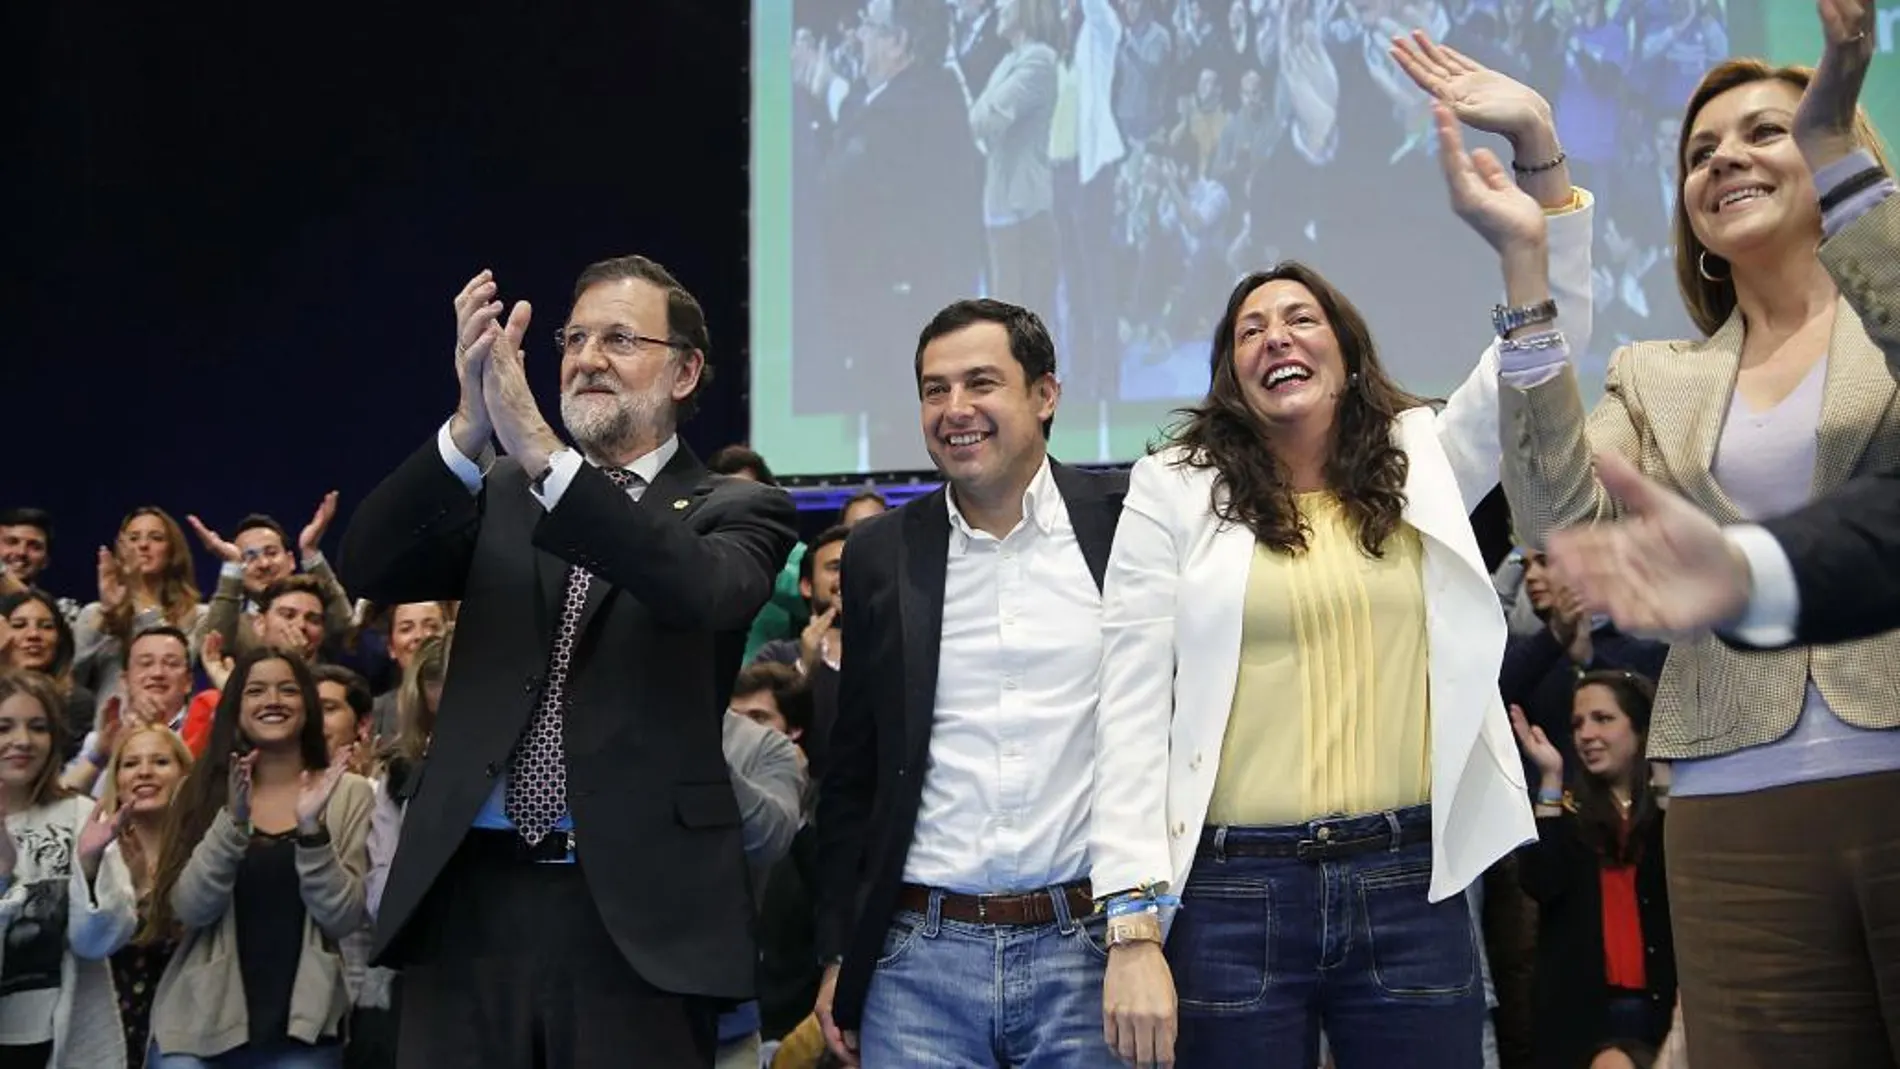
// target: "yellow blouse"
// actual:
[[1331, 710]]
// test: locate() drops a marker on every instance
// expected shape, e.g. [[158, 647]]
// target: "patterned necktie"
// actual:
[[537, 776]]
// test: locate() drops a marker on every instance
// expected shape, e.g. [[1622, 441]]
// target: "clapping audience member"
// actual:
[[146, 581], [410, 624], [67, 903], [147, 765], [155, 688], [256, 557], [1606, 967], [262, 872], [26, 551]]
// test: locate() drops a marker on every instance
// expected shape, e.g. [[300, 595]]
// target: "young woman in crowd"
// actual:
[[143, 773], [1605, 968], [1299, 705], [148, 580], [1784, 870], [417, 699], [261, 874], [66, 902], [37, 638]]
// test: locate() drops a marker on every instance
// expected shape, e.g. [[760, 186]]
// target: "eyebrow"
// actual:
[[1705, 135], [981, 369]]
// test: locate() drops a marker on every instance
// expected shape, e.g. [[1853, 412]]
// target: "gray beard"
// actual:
[[606, 430]]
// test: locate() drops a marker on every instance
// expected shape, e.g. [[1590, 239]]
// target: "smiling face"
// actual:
[[272, 712], [26, 742], [1287, 358], [1606, 739], [293, 623], [1746, 189], [982, 420], [265, 557], [409, 624], [340, 726], [35, 635], [148, 772], [23, 548], [619, 393], [160, 666]]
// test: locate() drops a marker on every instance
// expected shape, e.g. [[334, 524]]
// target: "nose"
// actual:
[[1726, 157], [958, 404]]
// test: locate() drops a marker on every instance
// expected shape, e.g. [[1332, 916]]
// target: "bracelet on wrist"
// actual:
[[1539, 168], [1546, 796]]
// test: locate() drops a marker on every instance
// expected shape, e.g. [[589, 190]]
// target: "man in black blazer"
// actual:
[[953, 823], [1827, 573], [605, 592]]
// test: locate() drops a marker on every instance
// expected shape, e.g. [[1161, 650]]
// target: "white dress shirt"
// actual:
[[1006, 793], [1774, 601]]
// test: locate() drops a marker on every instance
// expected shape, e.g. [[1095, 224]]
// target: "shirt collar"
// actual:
[[647, 466], [1042, 505]]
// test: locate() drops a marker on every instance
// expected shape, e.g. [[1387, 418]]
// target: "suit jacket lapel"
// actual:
[[924, 551], [1707, 398], [1092, 513], [678, 490], [1859, 388]]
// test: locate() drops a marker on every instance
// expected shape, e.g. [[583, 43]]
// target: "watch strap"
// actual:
[[1505, 320]]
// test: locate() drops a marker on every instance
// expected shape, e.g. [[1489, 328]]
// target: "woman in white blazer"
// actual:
[[1300, 733]]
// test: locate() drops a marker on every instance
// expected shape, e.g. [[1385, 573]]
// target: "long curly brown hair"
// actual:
[[1365, 469]]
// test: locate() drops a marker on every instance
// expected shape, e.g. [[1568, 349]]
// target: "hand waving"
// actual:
[[312, 533], [313, 794], [100, 832], [215, 542], [217, 664], [1480, 97], [1483, 194], [1824, 120]]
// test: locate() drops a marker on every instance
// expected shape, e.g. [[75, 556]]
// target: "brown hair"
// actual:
[[415, 717], [685, 320], [1710, 303], [1594, 808], [1365, 468], [45, 693], [177, 583]]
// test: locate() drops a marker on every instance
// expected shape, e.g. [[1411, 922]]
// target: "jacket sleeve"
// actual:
[[331, 876], [101, 916], [385, 831], [768, 783], [1128, 840], [848, 790], [203, 890], [413, 537], [1469, 427], [1547, 867]]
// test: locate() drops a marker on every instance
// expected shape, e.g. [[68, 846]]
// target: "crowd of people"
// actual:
[[1109, 162], [1240, 757]]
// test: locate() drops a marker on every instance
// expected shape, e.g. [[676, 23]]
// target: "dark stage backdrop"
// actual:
[[237, 234]]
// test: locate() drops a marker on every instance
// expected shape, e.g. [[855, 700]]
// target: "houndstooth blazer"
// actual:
[[1663, 407]]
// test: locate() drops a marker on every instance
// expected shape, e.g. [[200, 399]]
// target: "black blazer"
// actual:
[[1845, 549], [678, 578], [892, 581], [1569, 996]]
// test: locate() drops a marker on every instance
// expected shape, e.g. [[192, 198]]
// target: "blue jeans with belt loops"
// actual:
[[952, 995], [1268, 950]]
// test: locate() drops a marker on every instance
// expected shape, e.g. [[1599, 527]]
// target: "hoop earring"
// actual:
[[1702, 268]]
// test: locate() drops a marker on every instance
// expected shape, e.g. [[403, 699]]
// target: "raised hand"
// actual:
[[100, 832], [1537, 746], [215, 542], [813, 634], [1824, 120], [1664, 570], [476, 311], [111, 726], [314, 790], [1485, 197], [240, 787], [218, 666], [523, 432], [1480, 97], [312, 533], [112, 588]]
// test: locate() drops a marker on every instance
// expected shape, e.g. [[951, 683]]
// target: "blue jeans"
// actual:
[[950, 995], [288, 1054], [1267, 950]]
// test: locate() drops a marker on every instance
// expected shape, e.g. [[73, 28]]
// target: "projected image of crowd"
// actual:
[[1104, 161]]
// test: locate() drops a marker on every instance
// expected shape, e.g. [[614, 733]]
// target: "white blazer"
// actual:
[[1171, 626]]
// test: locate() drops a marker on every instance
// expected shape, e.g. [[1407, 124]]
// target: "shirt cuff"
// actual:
[[469, 471], [562, 467], [1774, 601], [313, 561], [231, 570], [1836, 217], [1523, 367]]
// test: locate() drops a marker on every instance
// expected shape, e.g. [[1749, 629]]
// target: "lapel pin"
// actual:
[[680, 504]]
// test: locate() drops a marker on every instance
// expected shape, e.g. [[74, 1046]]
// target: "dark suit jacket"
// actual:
[[678, 578], [893, 578], [1845, 549]]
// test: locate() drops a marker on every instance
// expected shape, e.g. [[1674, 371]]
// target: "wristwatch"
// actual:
[[1505, 320]]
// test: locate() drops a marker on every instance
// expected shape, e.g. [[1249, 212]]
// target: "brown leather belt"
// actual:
[[1036, 907]]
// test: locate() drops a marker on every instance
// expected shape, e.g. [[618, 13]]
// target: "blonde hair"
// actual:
[[1710, 302], [109, 796]]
